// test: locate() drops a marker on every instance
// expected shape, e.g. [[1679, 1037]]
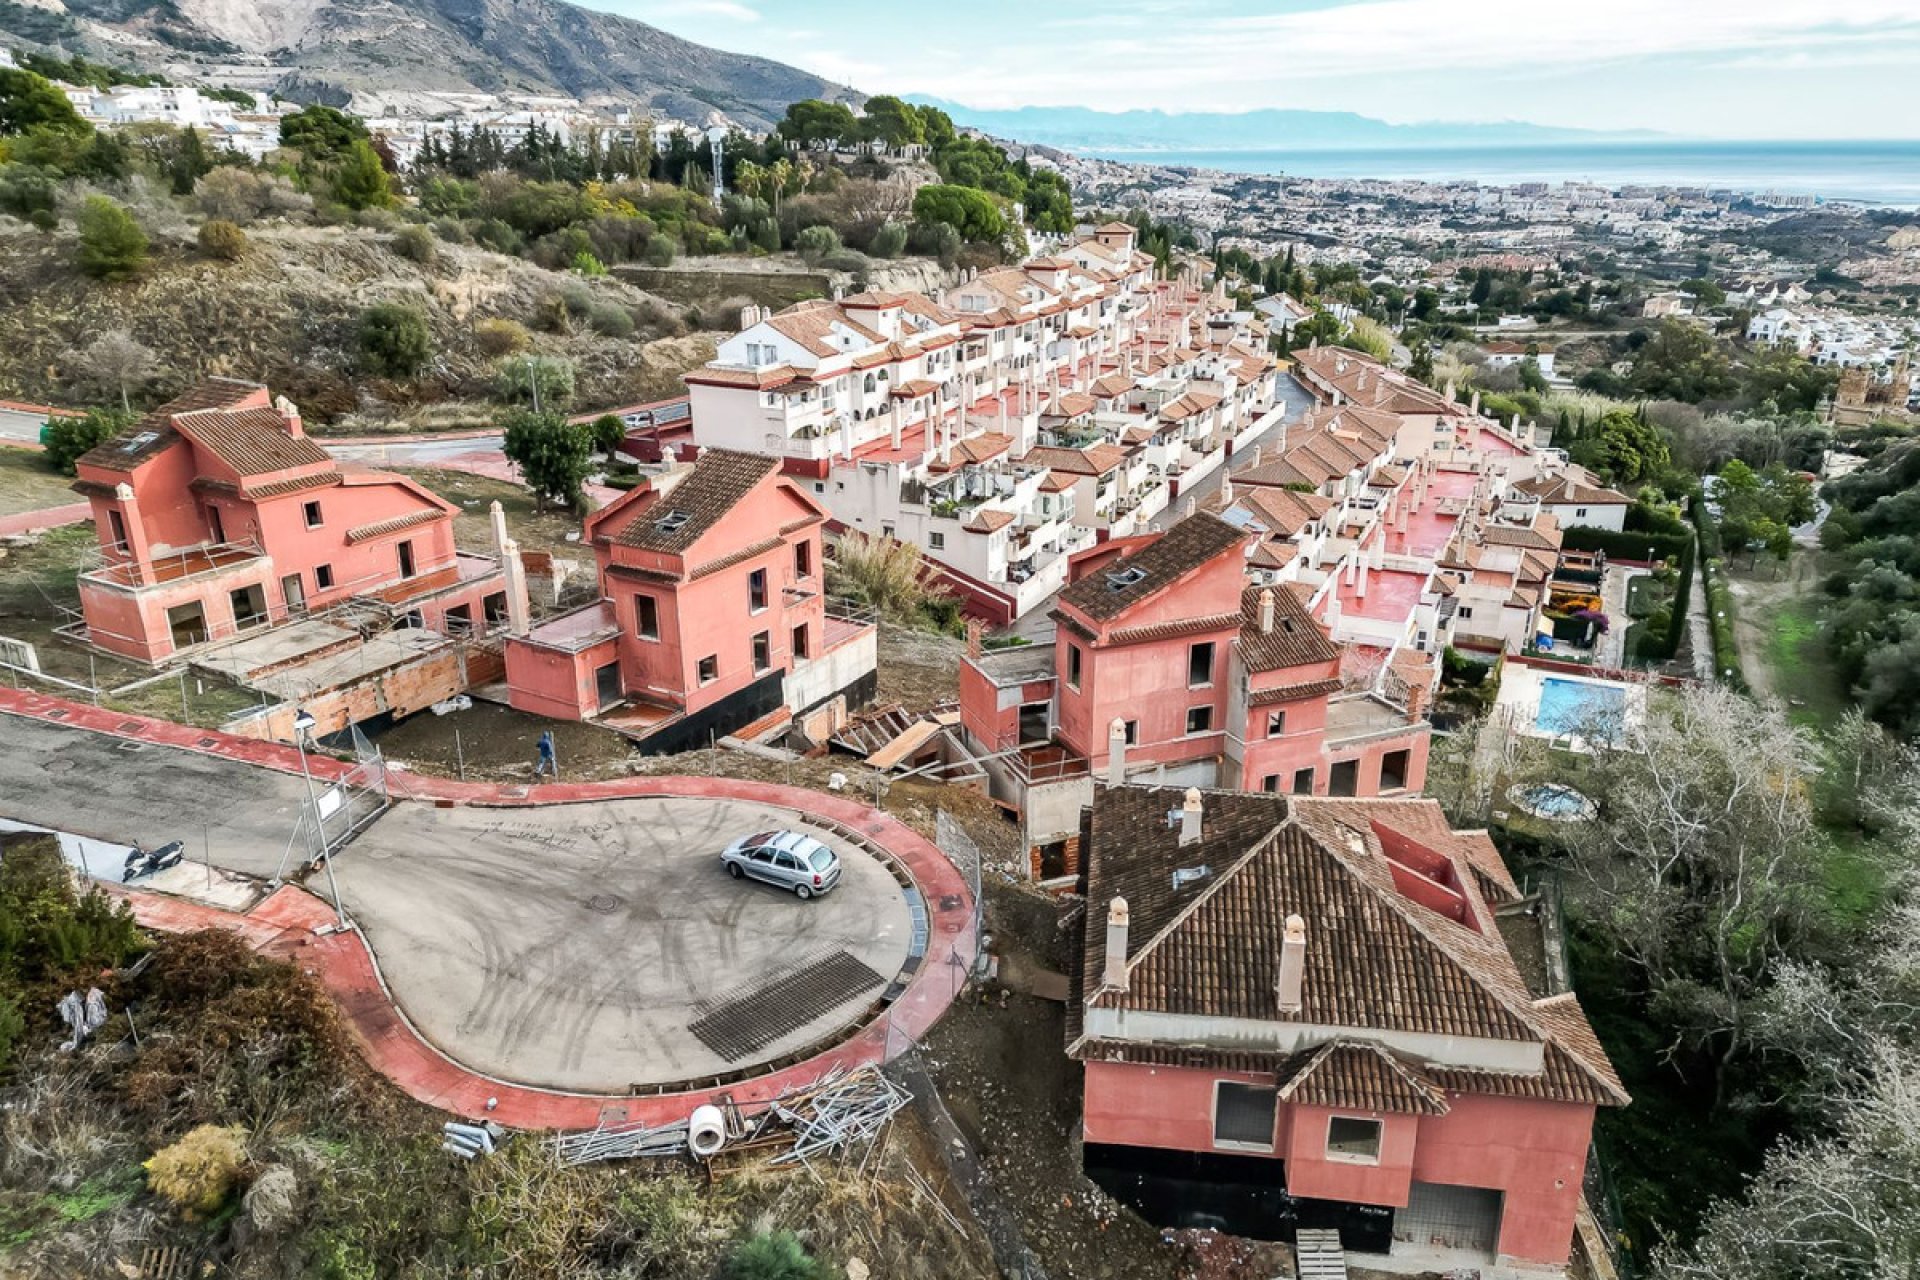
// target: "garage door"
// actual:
[[1445, 1217]]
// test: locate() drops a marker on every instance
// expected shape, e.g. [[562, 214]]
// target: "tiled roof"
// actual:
[[987, 520], [295, 484], [1564, 487], [1173, 555], [1208, 946], [1094, 461], [395, 524], [1296, 640], [1293, 692], [254, 442], [131, 447], [1506, 535], [1363, 1076], [720, 479]]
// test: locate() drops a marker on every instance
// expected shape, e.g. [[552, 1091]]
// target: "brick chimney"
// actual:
[[974, 630], [1266, 610], [1293, 964], [1117, 753], [1190, 817], [1114, 975], [289, 415]]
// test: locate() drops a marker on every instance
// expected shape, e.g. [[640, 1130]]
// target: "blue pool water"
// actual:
[[1574, 706]]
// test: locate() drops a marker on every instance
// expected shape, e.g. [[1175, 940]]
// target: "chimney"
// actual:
[[748, 315], [1293, 963], [515, 570], [290, 415], [1256, 456], [1117, 753], [974, 628], [1115, 973], [1190, 817], [1266, 610]]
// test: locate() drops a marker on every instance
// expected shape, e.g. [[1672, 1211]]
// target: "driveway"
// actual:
[[128, 792], [581, 946], [591, 946]]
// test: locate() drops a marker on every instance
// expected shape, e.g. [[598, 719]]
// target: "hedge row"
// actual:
[[1627, 546], [1720, 612]]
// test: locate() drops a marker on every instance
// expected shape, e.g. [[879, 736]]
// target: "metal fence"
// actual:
[[965, 856]]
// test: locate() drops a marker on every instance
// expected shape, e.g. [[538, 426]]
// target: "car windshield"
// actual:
[[821, 859], [751, 841]]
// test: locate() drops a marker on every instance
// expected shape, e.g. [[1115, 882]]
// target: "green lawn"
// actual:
[[1802, 672]]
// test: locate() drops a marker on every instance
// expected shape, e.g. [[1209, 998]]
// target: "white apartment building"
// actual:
[[1005, 423]]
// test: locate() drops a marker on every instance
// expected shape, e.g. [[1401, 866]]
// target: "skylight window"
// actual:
[[1121, 579], [140, 441], [671, 522]]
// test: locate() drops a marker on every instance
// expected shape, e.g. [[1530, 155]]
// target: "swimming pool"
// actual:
[[1553, 801], [1580, 707]]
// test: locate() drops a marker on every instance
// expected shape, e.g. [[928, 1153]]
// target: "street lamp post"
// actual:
[[303, 723]]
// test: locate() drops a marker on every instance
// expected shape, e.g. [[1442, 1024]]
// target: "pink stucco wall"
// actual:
[[1532, 1152]]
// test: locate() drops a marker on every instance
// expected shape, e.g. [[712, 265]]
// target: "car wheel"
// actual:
[[803, 892], [733, 869]]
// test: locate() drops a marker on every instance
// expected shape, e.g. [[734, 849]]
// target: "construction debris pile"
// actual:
[[837, 1115]]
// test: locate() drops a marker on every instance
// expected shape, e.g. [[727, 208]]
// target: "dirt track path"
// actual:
[[1757, 592]]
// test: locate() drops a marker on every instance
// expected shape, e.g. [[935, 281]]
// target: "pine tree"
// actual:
[[361, 180], [112, 245]]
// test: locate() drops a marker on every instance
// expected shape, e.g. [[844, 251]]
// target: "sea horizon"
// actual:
[[1880, 173]]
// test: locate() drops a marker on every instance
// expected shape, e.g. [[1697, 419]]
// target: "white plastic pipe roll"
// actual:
[[706, 1130]]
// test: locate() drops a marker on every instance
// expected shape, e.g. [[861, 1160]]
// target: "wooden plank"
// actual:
[[902, 748]]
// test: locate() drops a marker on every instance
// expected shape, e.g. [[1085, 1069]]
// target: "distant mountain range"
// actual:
[[1083, 129], [327, 50]]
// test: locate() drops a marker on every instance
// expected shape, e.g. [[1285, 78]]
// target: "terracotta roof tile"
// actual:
[[1296, 639], [1362, 1076], [1208, 946], [1172, 556], [155, 432], [253, 442], [396, 524], [721, 478]]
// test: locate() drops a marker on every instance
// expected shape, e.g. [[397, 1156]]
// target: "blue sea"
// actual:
[[1876, 173]]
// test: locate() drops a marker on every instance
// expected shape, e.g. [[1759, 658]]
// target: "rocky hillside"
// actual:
[[287, 314], [327, 50]]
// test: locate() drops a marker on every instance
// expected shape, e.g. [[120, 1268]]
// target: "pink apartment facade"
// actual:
[[1167, 663], [1301, 1012], [216, 515], [713, 613]]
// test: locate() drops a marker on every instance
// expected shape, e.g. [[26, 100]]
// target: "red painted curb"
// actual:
[[283, 925]]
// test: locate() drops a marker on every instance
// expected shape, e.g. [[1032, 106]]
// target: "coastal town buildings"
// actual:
[[1300, 1012], [1006, 423]]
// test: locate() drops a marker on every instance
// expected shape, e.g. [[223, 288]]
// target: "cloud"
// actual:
[[1194, 59]]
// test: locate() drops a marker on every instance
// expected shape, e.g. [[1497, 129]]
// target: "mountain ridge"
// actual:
[[330, 50], [1266, 129]]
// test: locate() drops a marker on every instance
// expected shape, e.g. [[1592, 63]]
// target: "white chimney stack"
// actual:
[[1115, 974], [1266, 610], [1293, 962], [1117, 753], [1190, 817]]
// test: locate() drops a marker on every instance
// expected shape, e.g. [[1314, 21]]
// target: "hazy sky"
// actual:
[[1718, 68]]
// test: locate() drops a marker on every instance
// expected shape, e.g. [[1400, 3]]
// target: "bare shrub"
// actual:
[[199, 1172]]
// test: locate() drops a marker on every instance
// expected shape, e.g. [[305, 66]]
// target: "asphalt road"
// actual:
[[568, 946], [126, 793]]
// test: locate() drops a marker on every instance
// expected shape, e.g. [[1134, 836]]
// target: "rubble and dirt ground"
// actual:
[[918, 669]]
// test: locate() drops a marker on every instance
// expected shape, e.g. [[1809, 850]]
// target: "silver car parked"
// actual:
[[786, 859]]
